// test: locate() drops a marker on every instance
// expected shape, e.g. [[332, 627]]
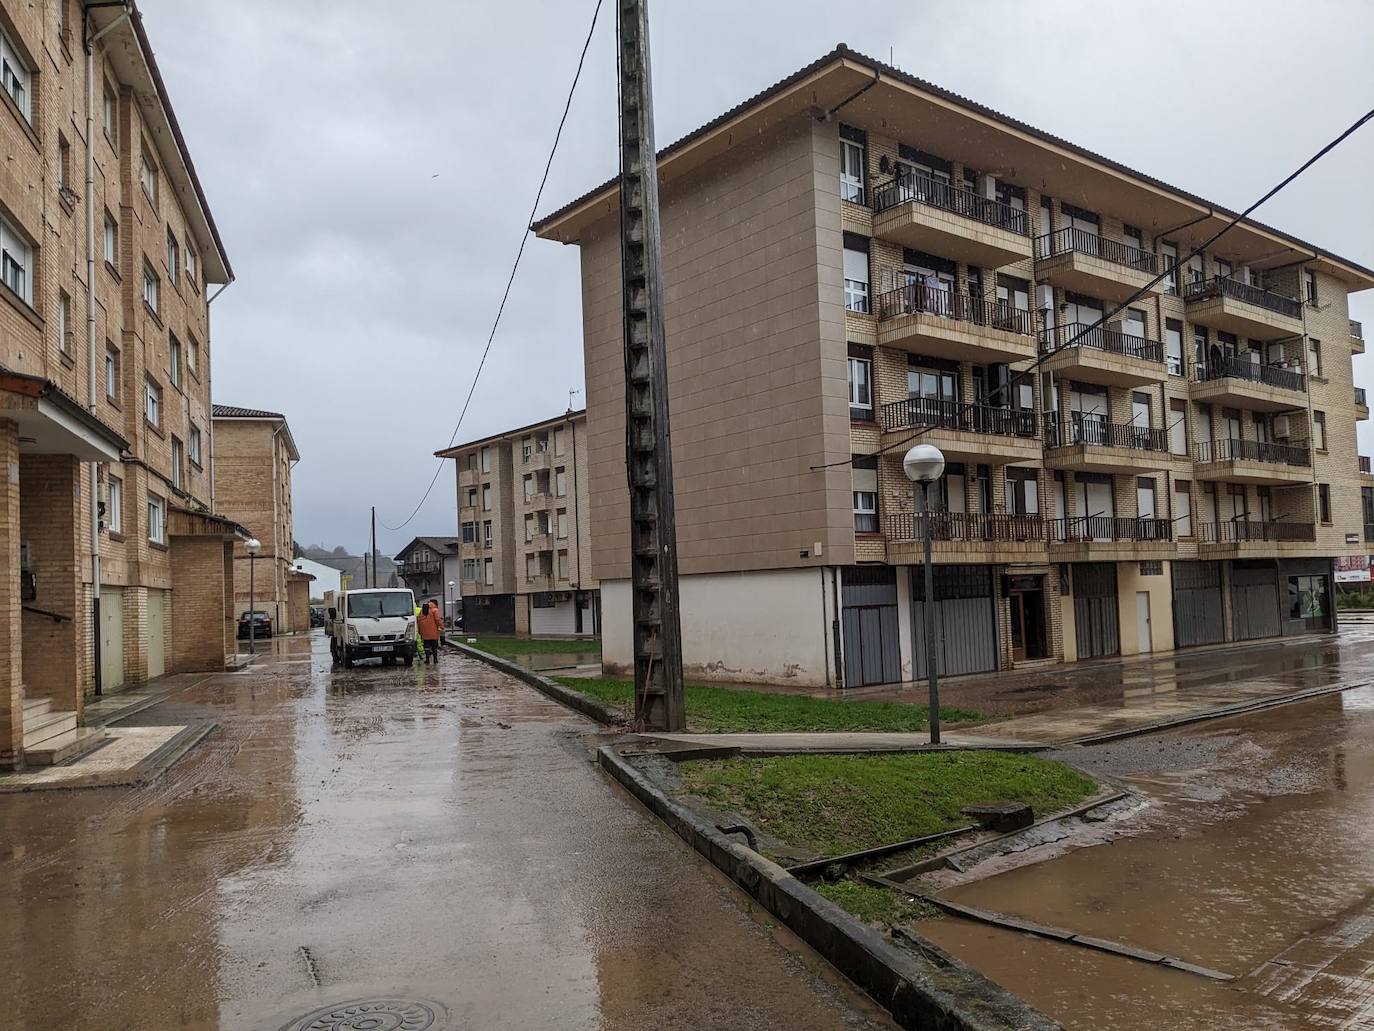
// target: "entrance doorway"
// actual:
[[1027, 597], [1144, 635]]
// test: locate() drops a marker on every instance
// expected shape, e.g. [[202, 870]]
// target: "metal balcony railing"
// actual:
[[1083, 428], [957, 415], [919, 299], [1254, 372], [1235, 531], [964, 526], [1364, 463], [1360, 399], [922, 189], [419, 568], [1356, 330], [1100, 338], [1235, 450], [1225, 286], [1082, 241], [1074, 529]]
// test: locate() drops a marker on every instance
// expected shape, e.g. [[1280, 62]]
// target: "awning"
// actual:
[[186, 522], [52, 422]]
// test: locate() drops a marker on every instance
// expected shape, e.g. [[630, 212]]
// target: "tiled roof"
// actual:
[[235, 412]]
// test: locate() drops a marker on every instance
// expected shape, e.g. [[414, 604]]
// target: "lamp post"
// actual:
[[924, 464], [252, 546], [448, 616]]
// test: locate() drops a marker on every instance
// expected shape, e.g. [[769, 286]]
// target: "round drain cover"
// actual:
[[372, 1015]]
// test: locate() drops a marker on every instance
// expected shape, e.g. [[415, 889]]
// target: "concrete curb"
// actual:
[[149, 768], [941, 994], [587, 706]]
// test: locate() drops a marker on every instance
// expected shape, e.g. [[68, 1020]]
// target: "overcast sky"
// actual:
[[371, 171]]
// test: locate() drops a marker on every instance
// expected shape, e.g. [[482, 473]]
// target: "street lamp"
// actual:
[[449, 614], [253, 546], [924, 464]]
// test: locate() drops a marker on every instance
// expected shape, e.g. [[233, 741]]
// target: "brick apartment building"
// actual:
[[855, 259], [108, 254], [254, 454], [524, 526]]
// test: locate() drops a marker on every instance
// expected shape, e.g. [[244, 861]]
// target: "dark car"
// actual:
[[316, 615], [260, 621]]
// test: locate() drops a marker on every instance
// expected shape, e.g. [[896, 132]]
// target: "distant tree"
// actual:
[[296, 550], [340, 552]]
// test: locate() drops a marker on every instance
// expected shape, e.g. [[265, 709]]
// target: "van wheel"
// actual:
[[347, 659], [409, 660], [333, 651]]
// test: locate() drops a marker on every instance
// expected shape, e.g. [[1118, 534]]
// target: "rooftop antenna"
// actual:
[[572, 394]]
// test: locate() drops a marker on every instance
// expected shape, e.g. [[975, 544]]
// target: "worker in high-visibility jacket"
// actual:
[[419, 641]]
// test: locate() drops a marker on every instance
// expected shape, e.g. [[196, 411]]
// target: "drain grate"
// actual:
[[373, 1015]]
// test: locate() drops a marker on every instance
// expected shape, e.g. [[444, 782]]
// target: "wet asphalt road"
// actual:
[[382, 832]]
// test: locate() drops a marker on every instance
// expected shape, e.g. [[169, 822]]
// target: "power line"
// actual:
[[1084, 331], [524, 238]]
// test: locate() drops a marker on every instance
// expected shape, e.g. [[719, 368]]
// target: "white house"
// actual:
[[327, 578]]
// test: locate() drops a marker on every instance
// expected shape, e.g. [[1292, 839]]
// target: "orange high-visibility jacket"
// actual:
[[431, 624]]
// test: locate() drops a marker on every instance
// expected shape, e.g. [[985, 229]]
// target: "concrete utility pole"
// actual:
[[648, 453]]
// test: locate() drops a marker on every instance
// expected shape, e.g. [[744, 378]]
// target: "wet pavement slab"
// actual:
[[438, 840]]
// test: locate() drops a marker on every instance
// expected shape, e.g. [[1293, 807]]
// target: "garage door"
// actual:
[[111, 638], [552, 614], [965, 620], [1198, 613], [1254, 599], [1097, 625], [157, 633], [872, 652]]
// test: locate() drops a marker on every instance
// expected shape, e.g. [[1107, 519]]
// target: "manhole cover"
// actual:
[[372, 1015]]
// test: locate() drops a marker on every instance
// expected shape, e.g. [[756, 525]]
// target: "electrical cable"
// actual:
[[1084, 331], [524, 238]]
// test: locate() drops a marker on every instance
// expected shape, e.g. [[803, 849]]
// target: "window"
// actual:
[[1173, 345], [1178, 427], [560, 481], [486, 460], [16, 256], [1324, 502], [860, 388], [488, 572], [486, 498], [1169, 252], [173, 258], [1200, 346], [865, 489], [151, 286], [852, 145], [562, 565], [1307, 600], [114, 504], [558, 441], [471, 568], [193, 355], [1319, 430], [111, 240], [109, 116], [157, 510], [174, 358], [193, 450], [472, 497], [486, 533], [147, 175], [15, 77], [1309, 286], [1224, 269], [192, 266], [1183, 508], [1144, 497], [152, 403], [527, 484], [856, 274], [177, 459], [64, 169], [562, 524], [64, 322], [469, 534], [1314, 357], [111, 373], [1023, 491]]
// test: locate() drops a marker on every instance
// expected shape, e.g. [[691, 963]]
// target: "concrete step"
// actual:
[[35, 707], [47, 725], [65, 747]]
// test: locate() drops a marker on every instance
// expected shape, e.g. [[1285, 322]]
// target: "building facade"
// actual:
[[432, 568], [108, 254], [524, 522], [856, 261], [253, 458]]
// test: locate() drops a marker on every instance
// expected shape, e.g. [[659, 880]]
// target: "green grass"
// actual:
[[720, 710], [833, 804], [508, 646], [875, 905]]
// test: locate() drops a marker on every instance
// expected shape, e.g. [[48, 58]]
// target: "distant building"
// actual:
[[524, 530], [327, 578], [428, 565]]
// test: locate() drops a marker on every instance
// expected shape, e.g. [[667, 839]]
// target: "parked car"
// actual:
[[372, 623], [316, 616], [260, 621]]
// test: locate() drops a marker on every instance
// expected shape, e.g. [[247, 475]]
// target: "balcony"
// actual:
[[1090, 444], [534, 459], [1364, 467], [1245, 537], [542, 541], [540, 499], [928, 215], [538, 582], [946, 324], [1251, 461], [1241, 383], [1235, 307], [1099, 354], [1356, 337], [1104, 538], [418, 569], [468, 477], [1361, 405], [965, 537], [966, 432], [1090, 264]]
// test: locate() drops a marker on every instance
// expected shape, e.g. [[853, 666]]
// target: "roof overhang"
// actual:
[[51, 422], [886, 100], [580, 415], [278, 420], [189, 522], [128, 50]]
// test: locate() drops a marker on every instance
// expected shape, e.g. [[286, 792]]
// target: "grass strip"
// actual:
[[725, 710], [831, 804], [875, 905]]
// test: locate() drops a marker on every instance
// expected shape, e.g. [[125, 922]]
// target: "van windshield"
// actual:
[[390, 604]]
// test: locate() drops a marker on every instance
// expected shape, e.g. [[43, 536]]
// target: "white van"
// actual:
[[374, 623]]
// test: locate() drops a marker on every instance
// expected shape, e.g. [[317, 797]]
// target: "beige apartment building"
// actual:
[[856, 260], [524, 525], [253, 457], [108, 253]]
